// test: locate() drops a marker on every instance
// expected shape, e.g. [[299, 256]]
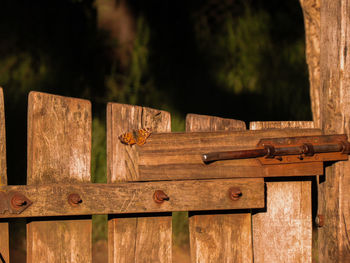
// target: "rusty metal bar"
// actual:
[[270, 151], [215, 156]]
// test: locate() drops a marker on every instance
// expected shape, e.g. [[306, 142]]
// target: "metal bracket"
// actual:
[[303, 149], [13, 202]]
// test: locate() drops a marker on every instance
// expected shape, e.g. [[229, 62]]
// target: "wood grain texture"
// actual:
[[141, 238], [122, 159], [283, 233], [219, 237], [179, 155], [225, 169], [59, 143], [4, 228], [204, 123], [3, 166], [312, 23], [334, 195], [121, 198]]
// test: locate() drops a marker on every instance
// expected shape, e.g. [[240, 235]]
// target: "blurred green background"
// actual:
[[242, 59]]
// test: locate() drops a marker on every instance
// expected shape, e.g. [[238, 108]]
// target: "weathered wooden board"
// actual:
[[3, 166], [178, 156], [223, 170], [59, 143], [312, 21], [4, 228], [283, 233], [140, 238], [52, 200], [219, 237], [334, 194]]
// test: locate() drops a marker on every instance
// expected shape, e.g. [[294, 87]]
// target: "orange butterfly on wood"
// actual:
[[138, 137]]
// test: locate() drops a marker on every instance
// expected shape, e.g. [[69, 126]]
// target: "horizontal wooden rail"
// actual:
[[121, 198], [178, 156]]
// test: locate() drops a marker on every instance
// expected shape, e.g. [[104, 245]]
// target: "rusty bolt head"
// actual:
[[74, 199], [18, 201], [234, 193], [159, 196], [319, 220]]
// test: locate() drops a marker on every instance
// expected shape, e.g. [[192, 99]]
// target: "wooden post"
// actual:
[[283, 233], [311, 12], [4, 234], [218, 237], [59, 150], [334, 194], [137, 237]]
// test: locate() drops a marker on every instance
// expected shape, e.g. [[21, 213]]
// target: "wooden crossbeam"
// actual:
[[121, 198]]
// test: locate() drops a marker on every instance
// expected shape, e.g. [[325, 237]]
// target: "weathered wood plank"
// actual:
[[4, 228], [122, 159], [205, 123], [283, 233], [219, 237], [223, 170], [3, 166], [52, 200], [312, 23], [334, 195], [141, 238], [179, 155], [59, 143]]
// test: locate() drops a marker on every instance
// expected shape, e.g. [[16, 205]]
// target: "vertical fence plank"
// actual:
[[59, 150], [334, 194], [141, 237], [219, 237], [283, 233], [4, 234]]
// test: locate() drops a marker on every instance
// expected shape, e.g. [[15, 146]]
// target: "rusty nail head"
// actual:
[[319, 220], [159, 196], [74, 199], [234, 193], [18, 201]]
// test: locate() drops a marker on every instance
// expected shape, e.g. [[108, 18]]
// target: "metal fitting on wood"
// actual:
[[17, 202], [319, 220], [159, 197], [74, 199], [235, 193]]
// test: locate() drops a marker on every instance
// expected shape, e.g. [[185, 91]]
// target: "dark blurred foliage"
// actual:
[[238, 59], [241, 59]]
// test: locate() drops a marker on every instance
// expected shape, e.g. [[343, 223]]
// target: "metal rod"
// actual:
[[216, 156], [270, 151]]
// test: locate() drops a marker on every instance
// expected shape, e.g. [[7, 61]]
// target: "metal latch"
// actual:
[[13, 202], [290, 150]]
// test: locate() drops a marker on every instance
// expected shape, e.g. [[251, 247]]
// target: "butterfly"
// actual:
[[138, 137]]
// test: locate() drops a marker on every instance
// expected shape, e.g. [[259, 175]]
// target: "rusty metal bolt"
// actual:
[[234, 193], [159, 196], [319, 220], [74, 199], [18, 201]]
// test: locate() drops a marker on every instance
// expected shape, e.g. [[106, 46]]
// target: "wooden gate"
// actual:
[[239, 210]]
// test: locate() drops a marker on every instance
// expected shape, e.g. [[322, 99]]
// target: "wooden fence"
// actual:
[[271, 222]]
